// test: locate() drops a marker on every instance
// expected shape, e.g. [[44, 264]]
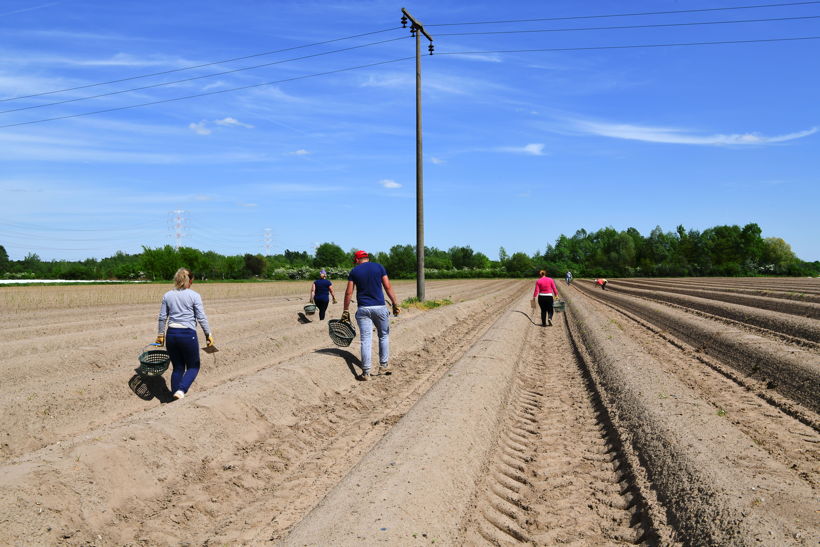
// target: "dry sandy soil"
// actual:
[[657, 412]]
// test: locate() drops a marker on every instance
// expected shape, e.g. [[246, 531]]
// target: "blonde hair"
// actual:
[[542, 272], [181, 278]]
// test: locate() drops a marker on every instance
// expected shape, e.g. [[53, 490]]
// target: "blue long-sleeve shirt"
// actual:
[[183, 307]]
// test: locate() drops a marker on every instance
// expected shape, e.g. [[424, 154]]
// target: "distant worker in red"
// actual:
[[546, 292], [601, 282]]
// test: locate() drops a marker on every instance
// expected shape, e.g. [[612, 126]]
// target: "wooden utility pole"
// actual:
[[417, 29]]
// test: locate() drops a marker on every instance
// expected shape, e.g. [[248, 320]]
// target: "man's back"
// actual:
[[368, 279]]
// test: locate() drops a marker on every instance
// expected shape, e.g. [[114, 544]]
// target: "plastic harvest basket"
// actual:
[[341, 333], [559, 305], [310, 309], [153, 362]]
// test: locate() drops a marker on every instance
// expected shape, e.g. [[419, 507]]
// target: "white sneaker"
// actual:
[[179, 394]]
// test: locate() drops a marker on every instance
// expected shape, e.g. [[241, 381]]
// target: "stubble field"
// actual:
[[659, 411]]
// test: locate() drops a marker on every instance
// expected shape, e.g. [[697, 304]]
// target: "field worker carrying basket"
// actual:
[[182, 309], [321, 291], [369, 278], [546, 292]]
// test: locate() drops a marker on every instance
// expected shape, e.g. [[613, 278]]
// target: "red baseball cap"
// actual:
[[360, 254]]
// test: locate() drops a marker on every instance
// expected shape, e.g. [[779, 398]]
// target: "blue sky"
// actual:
[[519, 147]]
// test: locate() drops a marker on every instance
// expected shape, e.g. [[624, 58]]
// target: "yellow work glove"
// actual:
[[160, 340], [396, 309], [334, 299], [345, 317], [210, 340]]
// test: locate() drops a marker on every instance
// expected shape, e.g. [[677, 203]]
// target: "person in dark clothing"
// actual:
[[321, 292], [370, 281]]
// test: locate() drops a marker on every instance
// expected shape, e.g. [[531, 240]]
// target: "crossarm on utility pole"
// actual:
[[416, 24]]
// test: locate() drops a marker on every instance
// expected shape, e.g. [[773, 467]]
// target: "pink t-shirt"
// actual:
[[545, 285]]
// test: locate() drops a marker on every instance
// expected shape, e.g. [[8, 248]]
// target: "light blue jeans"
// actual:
[[366, 317]]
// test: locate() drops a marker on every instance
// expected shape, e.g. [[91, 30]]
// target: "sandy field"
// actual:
[[656, 412]]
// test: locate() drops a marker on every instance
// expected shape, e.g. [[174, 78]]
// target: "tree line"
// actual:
[[717, 251]]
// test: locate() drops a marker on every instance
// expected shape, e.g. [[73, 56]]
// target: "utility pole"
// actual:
[[268, 237], [417, 29], [178, 220]]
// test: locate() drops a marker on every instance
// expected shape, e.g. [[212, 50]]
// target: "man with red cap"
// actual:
[[369, 278]]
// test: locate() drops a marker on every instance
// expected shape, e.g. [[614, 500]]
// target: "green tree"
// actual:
[[160, 263], [465, 257], [330, 255], [437, 259], [777, 256], [519, 265], [502, 255], [297, 258], [254, 264], [401, 262], [4, 260]]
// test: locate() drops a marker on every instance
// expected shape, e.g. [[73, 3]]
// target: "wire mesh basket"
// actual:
[[341, 332], [310, 309], [153, 362]]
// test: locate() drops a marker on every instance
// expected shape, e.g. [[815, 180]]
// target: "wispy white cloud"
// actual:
[[534, 149], [300, 152], [214, 85], [116, 60], [295, 188], [389, 183], [672, 135], [232, 121], [32, 8], [437, 161], [200, 128], [441, 82]]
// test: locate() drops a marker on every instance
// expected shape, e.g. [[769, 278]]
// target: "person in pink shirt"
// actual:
[[546, 292]]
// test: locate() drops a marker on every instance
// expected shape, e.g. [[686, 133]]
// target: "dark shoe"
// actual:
[[364, 377]]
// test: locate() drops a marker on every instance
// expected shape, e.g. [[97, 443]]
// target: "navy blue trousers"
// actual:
[[183, 347], [322, 305]]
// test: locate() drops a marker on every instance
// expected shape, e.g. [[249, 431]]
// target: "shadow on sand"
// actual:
[[528, 317], [353, 363], [150, 387]]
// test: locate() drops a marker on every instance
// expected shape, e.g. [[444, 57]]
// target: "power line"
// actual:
[[207, 93], [568, 18], [681, 44], [198, 66], [591, 48], [654, 25], [200, 77]]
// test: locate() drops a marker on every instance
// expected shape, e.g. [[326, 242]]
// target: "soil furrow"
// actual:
[[792, 440], [676, 437], [793, 307], [569, 494], [793, 372], [804, 328]]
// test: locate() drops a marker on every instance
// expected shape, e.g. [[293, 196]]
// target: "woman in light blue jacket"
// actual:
[[182, 309]]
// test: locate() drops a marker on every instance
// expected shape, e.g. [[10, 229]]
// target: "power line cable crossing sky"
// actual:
[[672, 117]]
